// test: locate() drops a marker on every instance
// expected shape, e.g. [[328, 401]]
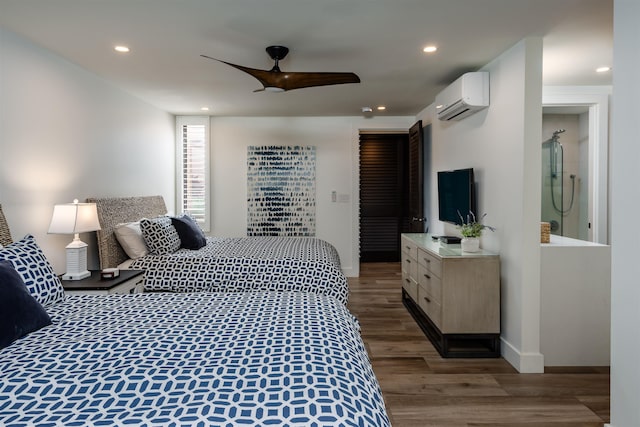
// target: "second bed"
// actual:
[[224, 264]]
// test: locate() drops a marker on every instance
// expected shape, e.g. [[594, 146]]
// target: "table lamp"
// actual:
[[75, 218]]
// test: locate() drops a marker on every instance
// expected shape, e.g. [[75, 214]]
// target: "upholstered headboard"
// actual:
[[5, 233], [114, 211]]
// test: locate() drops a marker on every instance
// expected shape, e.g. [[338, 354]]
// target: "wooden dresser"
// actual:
[[454, 296]]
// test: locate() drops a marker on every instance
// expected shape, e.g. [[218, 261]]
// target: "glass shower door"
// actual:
[[552, 188]]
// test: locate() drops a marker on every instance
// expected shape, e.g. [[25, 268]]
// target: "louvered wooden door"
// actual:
[[383, 195], [417, 220]]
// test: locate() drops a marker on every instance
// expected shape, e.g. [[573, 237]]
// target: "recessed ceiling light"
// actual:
[[381, 108], [430, 49], [603, 69], [204, 109], [122, 49]]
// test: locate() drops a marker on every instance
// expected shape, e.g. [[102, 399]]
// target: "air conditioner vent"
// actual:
[[464, 97]]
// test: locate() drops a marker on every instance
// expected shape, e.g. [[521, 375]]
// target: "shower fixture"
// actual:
[[553, 153], [555, 149]]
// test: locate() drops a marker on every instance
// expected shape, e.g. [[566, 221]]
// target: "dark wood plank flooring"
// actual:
[[422, 389]]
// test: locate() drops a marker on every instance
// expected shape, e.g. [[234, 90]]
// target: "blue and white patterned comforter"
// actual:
[[254, 359], [249, 264]]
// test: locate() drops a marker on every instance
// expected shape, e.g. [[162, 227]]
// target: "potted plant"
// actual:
[[471, 230]]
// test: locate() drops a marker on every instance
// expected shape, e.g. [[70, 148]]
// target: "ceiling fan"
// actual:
[[275, 80]]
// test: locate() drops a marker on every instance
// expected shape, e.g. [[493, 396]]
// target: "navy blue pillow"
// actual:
[[190, 233], [20, 313]]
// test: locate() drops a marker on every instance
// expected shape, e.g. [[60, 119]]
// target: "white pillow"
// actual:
[[130, 238]]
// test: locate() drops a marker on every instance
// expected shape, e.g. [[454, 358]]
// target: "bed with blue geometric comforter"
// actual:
[[194, 359], [249, 264], [236, 264]]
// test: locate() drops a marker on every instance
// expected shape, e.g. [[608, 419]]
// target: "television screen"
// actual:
[[456, 193]]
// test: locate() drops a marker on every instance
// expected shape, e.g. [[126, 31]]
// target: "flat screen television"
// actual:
[[456, 193]]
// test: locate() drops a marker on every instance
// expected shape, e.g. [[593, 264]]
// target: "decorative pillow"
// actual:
[[190, 233], [130, 238], [160, 236], [36, 272], [195, 221], [21, 313]]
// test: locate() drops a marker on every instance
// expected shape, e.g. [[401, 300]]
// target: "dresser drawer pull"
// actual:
[[428, 261], [407, 280], [427, 299], [427, 276], [408, 247], [408, 260]]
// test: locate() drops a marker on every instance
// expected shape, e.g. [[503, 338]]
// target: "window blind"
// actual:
[[194, 171]]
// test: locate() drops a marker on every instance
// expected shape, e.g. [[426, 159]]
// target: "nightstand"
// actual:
[[128, 282]]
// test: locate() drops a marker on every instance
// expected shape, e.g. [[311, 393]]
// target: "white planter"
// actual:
[[470, 244]]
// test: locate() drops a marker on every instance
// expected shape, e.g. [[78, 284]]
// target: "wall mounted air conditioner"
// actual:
[[464, 97]]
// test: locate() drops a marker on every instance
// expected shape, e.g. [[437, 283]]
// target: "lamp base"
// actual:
[[76, 276], [76, 260]]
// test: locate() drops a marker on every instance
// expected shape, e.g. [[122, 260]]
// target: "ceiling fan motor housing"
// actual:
[[277, 52]]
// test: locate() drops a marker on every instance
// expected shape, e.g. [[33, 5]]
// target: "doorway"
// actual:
[[565, 172], [594, 187], [384, 195]]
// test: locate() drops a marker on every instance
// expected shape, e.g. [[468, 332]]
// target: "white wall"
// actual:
[[336, 141], [65, 134], [625, 206], [575, 294], [502, 144]]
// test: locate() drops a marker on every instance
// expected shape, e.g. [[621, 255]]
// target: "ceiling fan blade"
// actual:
[[261, 75], [293, 80], [299, 80]]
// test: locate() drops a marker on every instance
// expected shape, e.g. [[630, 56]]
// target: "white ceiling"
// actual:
[[380, 40]]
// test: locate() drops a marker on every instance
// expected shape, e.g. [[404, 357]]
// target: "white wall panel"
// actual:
[[64, 134], [502, 144]]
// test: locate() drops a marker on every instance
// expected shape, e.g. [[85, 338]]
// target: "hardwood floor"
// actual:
[[422, 389]]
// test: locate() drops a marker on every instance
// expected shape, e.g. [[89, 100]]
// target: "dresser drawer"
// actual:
[[430, 282], [410, 267], [433, 264], [430, 306], [409, 248], [410, 286]]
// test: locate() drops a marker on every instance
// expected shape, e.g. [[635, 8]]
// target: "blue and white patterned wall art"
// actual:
[[281, 191]]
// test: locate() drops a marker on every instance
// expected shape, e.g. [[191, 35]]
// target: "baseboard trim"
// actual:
[[525, 363], [351, 272]]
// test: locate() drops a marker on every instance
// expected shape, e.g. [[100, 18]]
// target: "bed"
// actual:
[[224, 264], [164, 359], [259, 358]]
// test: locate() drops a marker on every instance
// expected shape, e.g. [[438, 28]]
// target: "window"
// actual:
[[192, 168]]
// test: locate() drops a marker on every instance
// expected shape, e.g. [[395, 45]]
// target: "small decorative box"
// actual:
[[109, 273], [545, 232]]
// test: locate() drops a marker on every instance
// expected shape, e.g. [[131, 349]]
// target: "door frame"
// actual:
[[596, 99], [400, 143], [396, 124]]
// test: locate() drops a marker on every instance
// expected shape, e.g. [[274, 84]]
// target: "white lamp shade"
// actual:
[[73, 218]]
